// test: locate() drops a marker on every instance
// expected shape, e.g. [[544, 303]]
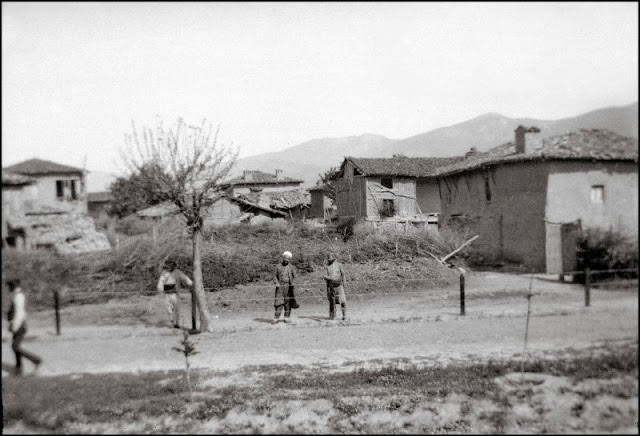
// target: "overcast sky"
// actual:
[[273, 75]]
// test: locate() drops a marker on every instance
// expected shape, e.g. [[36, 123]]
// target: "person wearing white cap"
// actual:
[[284, 275]]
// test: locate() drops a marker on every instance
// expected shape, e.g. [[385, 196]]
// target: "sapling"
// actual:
[[188, 349]]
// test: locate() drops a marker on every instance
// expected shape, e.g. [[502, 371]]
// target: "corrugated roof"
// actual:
[[400, 166], [582, 144], [259, 178], [99, 197], [12, 179], [41, 166]]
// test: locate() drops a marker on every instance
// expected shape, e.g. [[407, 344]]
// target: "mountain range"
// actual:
[[307, 160]]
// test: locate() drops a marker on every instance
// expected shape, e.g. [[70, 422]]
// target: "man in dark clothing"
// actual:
[[17, 316], [334, 276]]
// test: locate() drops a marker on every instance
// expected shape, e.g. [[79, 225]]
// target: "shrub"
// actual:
[[133, 225], [600, 249]]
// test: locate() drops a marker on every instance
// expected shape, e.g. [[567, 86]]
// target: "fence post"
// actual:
[[462, 293], [56, 305], [193, 308], [587, 286]]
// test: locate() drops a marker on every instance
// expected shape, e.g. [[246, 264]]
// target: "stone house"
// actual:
[[397, 189], [44, 205], [57, 185], [526, 199]]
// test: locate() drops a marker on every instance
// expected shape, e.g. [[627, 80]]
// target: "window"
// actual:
[[59, 189], [66, 189], [387, 182], [387, 208], [73, 190], [597, 194], [487, 188]]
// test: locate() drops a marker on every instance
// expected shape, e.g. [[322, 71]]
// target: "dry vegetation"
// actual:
[[237, 257]]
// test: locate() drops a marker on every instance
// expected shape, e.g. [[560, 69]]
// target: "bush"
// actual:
[[600, 250], [133, 225]]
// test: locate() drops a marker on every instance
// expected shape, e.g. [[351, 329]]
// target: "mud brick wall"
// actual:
[[505, 205]]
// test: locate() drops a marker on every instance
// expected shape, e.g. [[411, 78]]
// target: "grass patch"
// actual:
[[55, 403]]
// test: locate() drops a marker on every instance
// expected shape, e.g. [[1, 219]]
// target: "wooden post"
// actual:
[[56, 305], [461, 293], [587, 285], [193, 309]]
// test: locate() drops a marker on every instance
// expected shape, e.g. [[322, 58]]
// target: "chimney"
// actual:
[[279, 175], [520, 145], [520, 142], [247, 176], [472, 152]]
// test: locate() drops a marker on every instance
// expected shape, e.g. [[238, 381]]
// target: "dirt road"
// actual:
[[423, 327]]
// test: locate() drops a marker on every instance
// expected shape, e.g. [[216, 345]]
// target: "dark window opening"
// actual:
[[387, 208], [73, 190], [387, 182], [487, 189], [60, 189]]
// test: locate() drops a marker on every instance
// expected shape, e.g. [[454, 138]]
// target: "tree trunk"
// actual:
[[198, 288]]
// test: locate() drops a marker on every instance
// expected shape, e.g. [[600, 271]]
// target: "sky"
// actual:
[[274, 75]]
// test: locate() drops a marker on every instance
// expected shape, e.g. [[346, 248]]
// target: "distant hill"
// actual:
[[490, 130], [305, 161]]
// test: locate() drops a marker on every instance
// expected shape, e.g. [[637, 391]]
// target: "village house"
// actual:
[[527, 199], [389, 190], [44, 205], [258, 181], [57, 185], [226, 210]]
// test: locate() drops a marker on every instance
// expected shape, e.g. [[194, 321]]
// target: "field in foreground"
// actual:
[[594, 390]]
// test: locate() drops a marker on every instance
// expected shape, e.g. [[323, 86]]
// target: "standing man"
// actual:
[[169, 284], [17, 316], [334, 276], [283, 278]]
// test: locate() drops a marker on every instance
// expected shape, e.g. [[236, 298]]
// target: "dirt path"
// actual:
[[422, 327]]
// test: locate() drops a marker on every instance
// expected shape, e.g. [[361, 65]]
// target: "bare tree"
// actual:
[[194, 163]]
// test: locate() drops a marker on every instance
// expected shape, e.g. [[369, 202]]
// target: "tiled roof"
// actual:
[[401, 166], [15, 179], [582, 144], [40, 166], [99, 197], [260, 178]]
